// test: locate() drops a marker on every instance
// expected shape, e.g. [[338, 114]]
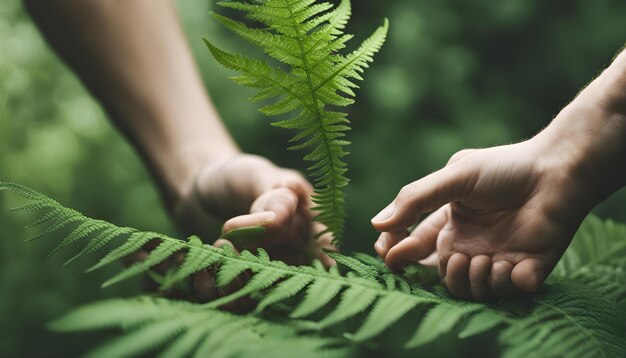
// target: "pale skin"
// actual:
[[503, 216], [133, 57]]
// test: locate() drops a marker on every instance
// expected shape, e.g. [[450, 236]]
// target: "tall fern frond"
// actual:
[[307, 37]]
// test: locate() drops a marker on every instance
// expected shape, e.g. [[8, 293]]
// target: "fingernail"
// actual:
[[385, 214], [382, 241]]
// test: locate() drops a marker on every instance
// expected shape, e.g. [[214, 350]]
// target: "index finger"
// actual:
[[451, 183]]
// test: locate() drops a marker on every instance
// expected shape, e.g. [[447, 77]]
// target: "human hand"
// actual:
[[248, 190], [504, 216]]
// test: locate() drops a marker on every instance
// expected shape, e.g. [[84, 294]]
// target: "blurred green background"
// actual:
[[454, 74]]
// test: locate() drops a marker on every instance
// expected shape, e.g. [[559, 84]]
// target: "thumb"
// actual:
[[451, 183]]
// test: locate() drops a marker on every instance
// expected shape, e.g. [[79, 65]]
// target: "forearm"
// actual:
[[588, 137], [133, 57]]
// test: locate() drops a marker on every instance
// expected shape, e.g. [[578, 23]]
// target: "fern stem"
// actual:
[[313, 91]]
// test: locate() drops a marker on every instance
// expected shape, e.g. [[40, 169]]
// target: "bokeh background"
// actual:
[[454, 74]]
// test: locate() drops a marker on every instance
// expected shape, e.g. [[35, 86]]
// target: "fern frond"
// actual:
[[196, 259], [386, 312], [353, 301], [568, 320], [582, 314], [440, 320], [481, 322], [155, 257], [319, 294], [306, 36], [185, 330], [134, 242], [608, 281], [587, 250], [284, 290], [354, 264]]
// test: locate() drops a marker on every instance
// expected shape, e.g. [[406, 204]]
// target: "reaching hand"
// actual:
[[505, 216], [248, 191]]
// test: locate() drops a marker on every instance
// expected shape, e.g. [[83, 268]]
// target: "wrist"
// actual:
[[177, 137], [584, 147], [186, 163]]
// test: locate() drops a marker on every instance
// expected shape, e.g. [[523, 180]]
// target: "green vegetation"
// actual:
[[454, 74], [581, 312], [305, 36]]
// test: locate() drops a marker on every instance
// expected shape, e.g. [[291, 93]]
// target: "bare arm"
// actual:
[[505, 215], [133, 57]]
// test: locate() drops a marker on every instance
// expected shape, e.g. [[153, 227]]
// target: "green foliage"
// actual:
[[569, 316], [450, 77], [306, 36], [182, 329]]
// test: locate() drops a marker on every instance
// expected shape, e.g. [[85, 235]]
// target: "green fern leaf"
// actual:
[[587, 250], [579, 314], [132, 244], [106, 314], [286, 289], [186, 343], [140, 341], [100, 240], [196, 259], [387, 311], [568, 320], [53, 214], [82, 231], [306, 36], [319, 294], [229, 271], [257, 283], [354, 264], [439, 320], [354, 300], [219, 343], [156, 256], [480, 323]]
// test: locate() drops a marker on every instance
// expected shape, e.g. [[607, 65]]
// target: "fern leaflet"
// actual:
[[306, 36]]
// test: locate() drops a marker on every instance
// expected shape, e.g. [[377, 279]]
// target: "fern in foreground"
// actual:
[[182, 329], [580, 312], [306, 37]]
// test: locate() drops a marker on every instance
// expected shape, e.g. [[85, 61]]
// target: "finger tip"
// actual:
[[390, 260], [526, 276], [380, 250], [221, 243], [378, 225]]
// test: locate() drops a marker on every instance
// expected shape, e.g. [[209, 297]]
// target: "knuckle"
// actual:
[[404, 194], [460, 155]]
